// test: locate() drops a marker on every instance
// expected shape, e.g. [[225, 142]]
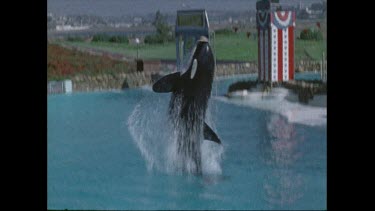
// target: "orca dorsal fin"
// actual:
[[209, 134], [166, 83]]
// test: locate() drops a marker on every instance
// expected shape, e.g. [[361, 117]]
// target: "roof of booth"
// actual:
[[188, 24]]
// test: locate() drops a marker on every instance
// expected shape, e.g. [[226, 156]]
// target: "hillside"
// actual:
[[64, 63]]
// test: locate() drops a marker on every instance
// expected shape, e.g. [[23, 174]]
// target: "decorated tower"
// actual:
[[275, 23]]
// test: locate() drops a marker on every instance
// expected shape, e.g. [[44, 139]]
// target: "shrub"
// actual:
[[309, 34], [248, 34], [100, 38], [74, 39], [224, 31], [119, 39], [153, 39], [157, 39]]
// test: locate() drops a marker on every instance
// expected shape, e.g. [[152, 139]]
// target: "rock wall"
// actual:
[[307, 65], [224, 69], [154, 69], [82, 83], [232, 68], [306, 90]]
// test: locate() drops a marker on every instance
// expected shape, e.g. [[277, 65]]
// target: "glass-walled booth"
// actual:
[[190, 26]]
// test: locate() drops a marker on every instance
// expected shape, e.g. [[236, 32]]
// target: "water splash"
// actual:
[[283, 186], [155, 134]]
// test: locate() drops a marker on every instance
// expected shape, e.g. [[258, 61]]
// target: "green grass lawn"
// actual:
[[227, 47], [236, 47], [305, 49], [155, 51]]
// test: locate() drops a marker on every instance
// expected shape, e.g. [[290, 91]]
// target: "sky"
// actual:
[[118, 8]]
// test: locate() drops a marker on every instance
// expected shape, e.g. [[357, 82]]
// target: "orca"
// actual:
[[191, 90]]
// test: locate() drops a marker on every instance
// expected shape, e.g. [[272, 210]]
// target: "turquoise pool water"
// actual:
[[107, 151]]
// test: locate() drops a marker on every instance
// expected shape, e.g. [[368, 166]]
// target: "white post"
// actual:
[[214, 48], [137, 41], [321, 69]]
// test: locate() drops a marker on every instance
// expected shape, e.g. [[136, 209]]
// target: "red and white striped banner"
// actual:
[[276, 47], [282, 53]]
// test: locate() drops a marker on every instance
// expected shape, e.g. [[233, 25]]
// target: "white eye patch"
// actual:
[[194, 68]]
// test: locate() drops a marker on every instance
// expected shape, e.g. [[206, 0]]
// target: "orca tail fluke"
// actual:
[[209, 134], [166, 83]]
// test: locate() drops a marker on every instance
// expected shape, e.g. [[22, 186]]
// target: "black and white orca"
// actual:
[[191, 90]]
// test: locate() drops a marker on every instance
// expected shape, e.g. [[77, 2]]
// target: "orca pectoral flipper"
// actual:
[[166, 83], [209, 134]]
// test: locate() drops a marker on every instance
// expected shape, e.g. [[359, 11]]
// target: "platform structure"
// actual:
[[190, 26], [276, 38]]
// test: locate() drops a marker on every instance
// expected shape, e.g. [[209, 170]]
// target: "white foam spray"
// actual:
[[156, 138]]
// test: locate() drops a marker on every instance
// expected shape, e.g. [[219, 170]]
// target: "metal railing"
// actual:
[[323, 69]]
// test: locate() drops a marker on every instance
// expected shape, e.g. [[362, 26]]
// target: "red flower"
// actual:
[[318, 24]]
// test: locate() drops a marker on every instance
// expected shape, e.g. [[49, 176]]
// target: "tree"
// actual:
[[162, 28], [303, 14], [324, 6], [317, 6]]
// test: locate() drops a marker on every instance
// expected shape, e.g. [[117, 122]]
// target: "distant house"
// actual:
[[316, 10], [314, 13], [137, 21]]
